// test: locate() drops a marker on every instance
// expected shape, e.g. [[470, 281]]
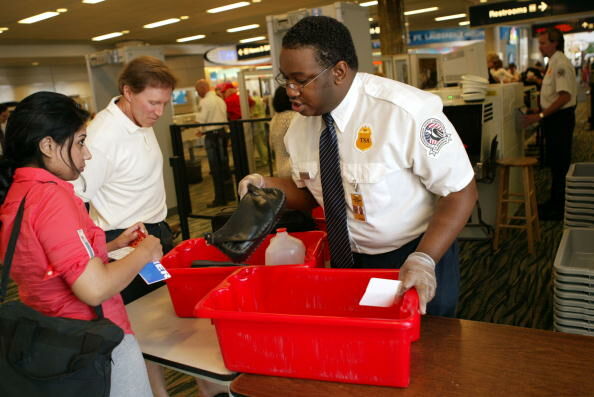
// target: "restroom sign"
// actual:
[[508, 11], [494, 13]]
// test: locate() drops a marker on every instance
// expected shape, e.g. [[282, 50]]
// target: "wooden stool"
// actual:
[[527, 198]]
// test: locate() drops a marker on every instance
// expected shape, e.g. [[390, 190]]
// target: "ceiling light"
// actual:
[[39, 17], [107, 36], [258, 38], [62, 10], [421, 10], [370, 19], [464, 23], [240, 28], [483, 1], [3, 29], [184, 17], [190, 38], [161, 23], [92, 1], [448, 17], [368, 3], [35, 63], [228, 7]]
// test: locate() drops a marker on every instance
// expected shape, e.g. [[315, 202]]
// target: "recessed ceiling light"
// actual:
[[161, 23], [191, 38], [107, 36], [448, 17], [39, 17], [245, 27], [35, 63], [421, 11], [370, 19], [251, 39], [62, 10], [256, 1], [184, 17], [228, 7], [92, 1], [3, 29], [464, 23], [483, 1], [368, 3]]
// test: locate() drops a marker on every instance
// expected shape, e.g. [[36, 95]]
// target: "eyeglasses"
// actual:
[[284, 82]]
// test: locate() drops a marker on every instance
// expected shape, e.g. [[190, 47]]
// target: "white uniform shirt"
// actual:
[[212, 109], [124, 178], [397, 149], [560, 76]]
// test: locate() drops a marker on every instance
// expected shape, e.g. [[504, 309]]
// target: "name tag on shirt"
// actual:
[[154, 272], [358, 207]]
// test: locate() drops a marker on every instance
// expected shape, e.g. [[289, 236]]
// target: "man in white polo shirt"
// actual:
[[123, 182]]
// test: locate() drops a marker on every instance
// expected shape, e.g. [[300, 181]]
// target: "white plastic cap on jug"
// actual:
[[285, 249]]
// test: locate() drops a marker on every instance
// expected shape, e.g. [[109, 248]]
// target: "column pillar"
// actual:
[[393, 31]]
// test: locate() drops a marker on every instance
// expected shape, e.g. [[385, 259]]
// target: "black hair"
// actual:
[[556, 35], [3, 107], [40, 115], [331, 40], [281, 101]]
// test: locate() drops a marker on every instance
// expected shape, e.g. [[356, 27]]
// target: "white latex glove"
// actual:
[[419, 271], [254, 179]]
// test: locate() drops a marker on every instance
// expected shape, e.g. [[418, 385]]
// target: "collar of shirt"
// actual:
[[342, 113], [33, 174], [128, 124]]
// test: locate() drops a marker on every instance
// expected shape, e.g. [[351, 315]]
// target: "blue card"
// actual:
[[153, 272]]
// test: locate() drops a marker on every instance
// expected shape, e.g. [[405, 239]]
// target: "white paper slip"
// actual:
[[380, 292], [120, 253]]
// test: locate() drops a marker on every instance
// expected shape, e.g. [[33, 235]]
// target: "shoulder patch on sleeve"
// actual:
[[434, 136], [561, 72]]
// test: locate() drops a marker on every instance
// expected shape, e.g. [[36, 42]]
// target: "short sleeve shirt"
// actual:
[[560, 76], [56, 242], [123, 180], [398, 152]]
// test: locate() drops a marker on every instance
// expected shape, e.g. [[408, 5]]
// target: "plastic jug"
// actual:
[[285, 249]]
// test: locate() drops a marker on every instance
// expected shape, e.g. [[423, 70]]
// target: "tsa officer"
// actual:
[[400, 169], [557, 117]]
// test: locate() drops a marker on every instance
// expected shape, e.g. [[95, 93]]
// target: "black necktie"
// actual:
[[333, 193]]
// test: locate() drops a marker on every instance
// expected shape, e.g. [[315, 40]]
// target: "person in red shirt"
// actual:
[[60, 262], [231, 97]]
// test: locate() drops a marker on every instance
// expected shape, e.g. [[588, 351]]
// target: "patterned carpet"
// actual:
[[508, 286]]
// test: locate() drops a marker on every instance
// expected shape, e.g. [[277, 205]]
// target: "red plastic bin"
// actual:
[[307, 323], [188, 285]]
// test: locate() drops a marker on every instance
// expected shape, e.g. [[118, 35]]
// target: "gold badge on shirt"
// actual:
[[364, 140]]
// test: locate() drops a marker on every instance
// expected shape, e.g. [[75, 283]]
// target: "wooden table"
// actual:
[[188, 345], [465, 358]]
